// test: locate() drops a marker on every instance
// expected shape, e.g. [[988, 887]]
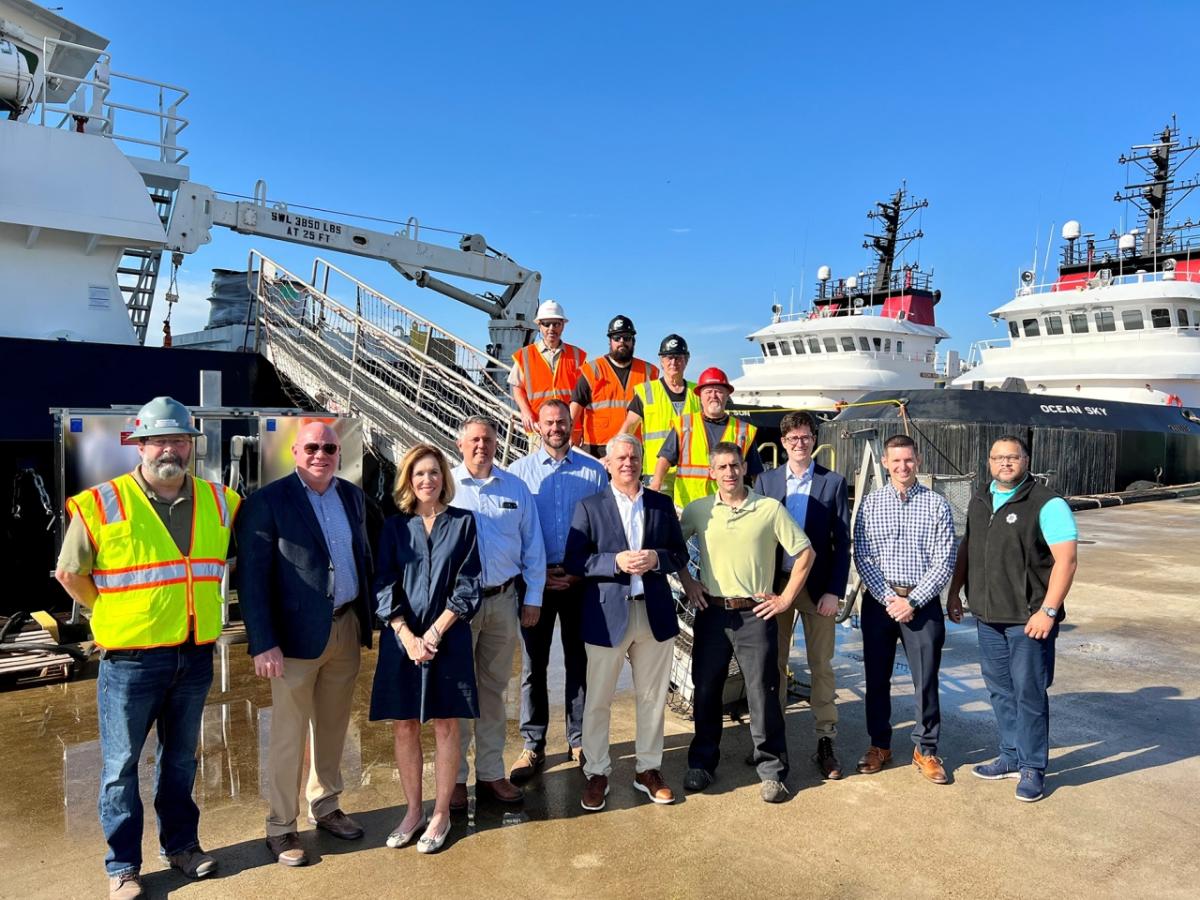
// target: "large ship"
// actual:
[[870, 331], [1121, 320]]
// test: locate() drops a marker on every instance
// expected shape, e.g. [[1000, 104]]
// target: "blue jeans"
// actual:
[[1018, 670], [164, 687]]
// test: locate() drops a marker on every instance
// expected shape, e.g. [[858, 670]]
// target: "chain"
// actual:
[[40, 486]]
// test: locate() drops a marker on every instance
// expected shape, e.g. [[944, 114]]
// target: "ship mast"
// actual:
[[1159, 194], [895, 215]]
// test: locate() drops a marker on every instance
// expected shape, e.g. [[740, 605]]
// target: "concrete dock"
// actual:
[[1121, 816]]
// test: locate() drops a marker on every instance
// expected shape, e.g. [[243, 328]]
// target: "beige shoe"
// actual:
[[125, 887], [527, 765]]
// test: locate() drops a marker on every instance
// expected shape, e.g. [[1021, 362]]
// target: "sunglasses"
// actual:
[[621, 338], [330, 449]]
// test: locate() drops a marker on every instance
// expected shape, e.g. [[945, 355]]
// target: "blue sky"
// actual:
[[680, 163]]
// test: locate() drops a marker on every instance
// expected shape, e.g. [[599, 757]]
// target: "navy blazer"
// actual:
[[283, 569], [595, 539], [826, 522]]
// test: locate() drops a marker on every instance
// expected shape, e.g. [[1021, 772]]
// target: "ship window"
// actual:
[[814, 346], [848, 344], [899, 346], [799, 345], [1181, 317], [1078, 323], [1104, 320], [887, 345], [1031, 327], [864, 344], [785, 348], [772, 350], [830, 345], [1012, 330], [878, 344], [1160, 318], [764, 349], [1131, 319], [1054, 325]]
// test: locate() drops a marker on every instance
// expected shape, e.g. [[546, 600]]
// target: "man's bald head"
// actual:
[[316, 452]]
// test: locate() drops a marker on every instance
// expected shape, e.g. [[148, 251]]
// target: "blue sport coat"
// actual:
[[595, 539], [826, 522], [283, 569]]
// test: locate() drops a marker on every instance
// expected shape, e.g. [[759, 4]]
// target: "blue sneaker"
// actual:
[[1030, 786], [996, 770]]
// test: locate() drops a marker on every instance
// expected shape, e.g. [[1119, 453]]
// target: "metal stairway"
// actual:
[[137, 272], [353, 350]]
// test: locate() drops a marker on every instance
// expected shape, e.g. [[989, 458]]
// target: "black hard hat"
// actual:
[[621, 325], [673, 345]]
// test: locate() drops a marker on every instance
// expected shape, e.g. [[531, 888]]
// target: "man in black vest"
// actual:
[[1017, 561]]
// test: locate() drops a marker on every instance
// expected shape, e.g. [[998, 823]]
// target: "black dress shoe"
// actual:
[[340, 825]]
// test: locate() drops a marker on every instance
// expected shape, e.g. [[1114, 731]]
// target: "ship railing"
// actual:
[[900, 280], [1109, 276], [843, 312], [89, 109], [928, 358], [1179, 240], [364, 354]]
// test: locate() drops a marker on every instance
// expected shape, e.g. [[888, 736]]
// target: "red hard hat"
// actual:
[[713, 376]]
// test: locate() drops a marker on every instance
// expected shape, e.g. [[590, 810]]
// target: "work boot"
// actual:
[[873, 760], [594, 793], [194, 863], [826, 761], [339, 825], [652, 785], [929, 766], [528, 764], [125, 887], [286, 849]]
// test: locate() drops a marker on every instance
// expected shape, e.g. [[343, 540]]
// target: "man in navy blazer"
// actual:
[[304, 576], [816, 498], [624, 542]]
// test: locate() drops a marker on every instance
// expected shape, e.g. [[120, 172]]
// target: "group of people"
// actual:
[[584, 533]]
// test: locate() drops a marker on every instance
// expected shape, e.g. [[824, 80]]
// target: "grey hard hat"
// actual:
[[673, 345], [162, 416], [621, 325]]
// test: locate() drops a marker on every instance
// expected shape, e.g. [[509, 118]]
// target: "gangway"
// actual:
[[354, 350]]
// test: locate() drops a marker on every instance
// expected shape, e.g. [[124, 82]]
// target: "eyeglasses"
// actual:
[[551, 323], [1006, 459], [168, 442], [330, 449], [621, 338], [797, 439]]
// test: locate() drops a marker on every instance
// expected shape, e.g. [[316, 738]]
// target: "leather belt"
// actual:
[[340, 611], [901, 590], [633, 598], [498, 589], [732, 602]]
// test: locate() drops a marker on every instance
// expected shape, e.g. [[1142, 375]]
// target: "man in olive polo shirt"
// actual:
[[738, 533]]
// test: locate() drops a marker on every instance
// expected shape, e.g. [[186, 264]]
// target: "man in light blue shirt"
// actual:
[[510, 546], [559, 477]]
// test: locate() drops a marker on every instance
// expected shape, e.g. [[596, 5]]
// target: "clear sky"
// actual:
[[681, 163]]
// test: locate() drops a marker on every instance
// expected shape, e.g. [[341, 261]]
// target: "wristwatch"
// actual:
[[1052, 613]]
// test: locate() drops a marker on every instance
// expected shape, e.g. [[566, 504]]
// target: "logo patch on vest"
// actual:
[[1010, 518]]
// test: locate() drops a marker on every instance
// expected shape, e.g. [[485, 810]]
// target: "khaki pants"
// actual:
[[494, 632], [819, 633], [651, 663], [317, 693]]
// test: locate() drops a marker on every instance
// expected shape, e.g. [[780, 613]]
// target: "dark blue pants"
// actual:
[[718, 635], [1018, 670], [164, 687], [923, 637], [566, 606]]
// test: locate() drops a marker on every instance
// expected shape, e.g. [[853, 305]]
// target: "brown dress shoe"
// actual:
[[340, 825], [873, 760], [528, 764], [826, 760], [458, 797], [286, 849], [929, 766], [594, 794], [652, 785], [501, 789]]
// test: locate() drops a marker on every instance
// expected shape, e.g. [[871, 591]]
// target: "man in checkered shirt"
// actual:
[[904, 551]]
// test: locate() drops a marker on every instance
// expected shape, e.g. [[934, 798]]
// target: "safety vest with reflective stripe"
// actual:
[[543, 383], [151, 595], [692, 479], [658, 420], [610, 399]]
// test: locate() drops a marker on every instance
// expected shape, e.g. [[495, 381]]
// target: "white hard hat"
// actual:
[[550, 309]]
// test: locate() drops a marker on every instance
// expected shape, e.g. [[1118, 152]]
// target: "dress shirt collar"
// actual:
[[463, 474], [311, 490], [544, 458], [914, 491], [625, 498], [803, 478]]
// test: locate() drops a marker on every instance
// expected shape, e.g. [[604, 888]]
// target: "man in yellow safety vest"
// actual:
[[146, 553], [657, 405], [687, 446]]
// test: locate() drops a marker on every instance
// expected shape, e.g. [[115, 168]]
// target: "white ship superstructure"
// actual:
[[873, 331], [1122, 319]]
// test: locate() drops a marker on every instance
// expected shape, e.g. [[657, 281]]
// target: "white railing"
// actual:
[[158, 126], [1116, 278], [841, 313], [930, 358], [1090, 338]]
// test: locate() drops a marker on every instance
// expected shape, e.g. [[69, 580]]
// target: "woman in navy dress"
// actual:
[[428, 582]]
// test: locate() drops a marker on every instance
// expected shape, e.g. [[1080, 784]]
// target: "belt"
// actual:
[[339, 611], [633, 598], [901, 590], [732, 602], [498, 589]]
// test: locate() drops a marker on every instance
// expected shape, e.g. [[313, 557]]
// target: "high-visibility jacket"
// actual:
[[542, 383], [150, 594], [658, 420], [610, 399], [692, 479]]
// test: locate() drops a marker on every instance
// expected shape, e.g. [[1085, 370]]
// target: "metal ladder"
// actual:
[[137, 272], [351, 349]]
